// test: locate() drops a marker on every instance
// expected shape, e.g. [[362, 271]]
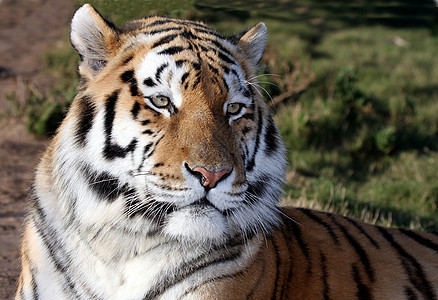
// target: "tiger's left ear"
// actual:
[[253, 42], [94, 38]]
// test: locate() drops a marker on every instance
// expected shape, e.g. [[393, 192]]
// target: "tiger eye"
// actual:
[[160, 101], [234, 108]]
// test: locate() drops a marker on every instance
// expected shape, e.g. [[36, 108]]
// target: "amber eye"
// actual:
[[160, 101], [234, 108]]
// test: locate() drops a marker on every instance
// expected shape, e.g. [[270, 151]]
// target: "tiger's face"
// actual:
[[170, 133]]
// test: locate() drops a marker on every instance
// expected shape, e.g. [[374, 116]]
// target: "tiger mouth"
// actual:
[[203, 204]]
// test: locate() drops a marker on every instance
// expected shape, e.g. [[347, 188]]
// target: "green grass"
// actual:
[[369, 142], [363, 138]]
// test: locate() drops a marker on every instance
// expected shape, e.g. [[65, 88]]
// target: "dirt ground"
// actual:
[[27, 29]]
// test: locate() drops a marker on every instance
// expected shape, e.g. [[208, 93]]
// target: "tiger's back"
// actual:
[[163, 181], [333, 257]]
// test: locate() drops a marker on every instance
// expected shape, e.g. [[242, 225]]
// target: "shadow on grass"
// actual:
[[399, 218]]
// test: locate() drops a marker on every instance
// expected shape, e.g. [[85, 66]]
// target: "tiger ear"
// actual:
[[94, 38], [253, 42]]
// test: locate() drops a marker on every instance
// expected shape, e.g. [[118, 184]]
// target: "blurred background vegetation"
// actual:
[[353, 86]]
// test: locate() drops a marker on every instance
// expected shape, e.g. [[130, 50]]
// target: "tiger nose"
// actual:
[[210, 179]]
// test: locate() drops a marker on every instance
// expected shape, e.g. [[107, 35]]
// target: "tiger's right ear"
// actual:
[[94, 38]]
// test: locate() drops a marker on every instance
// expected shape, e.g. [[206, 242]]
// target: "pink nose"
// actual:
[[210, 179]]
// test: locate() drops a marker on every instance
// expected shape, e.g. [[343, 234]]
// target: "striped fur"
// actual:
[[163, 182]]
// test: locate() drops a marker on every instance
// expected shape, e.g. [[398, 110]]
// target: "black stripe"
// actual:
[[251, 163], [183, 271], [196, 66], [359, 227], [213, 69], [247, 92], [290, 244], [317, 219], [148, 131], [225, 58], [86, 117], [410, 293], [209, 31], [134, 88], [233, 275], [160, 22], [222, 48], [49, 239], [35, 293], [146, 155], [135, 110], [112, 151], [226, 86], [189, 35], [324, 277], [278, 269], [146, 148], [235, 73], [106, 186], [421, 240], [153, 32], [128, 59], [358, 248], [184, 77], [25, 257], [149, 82], [159, 71], [193, 24], [180, 62], [271, 137], [261, 278], [171, 50], [128, 77], [164, 40], [197, 81], [413, 269], [363, 292], [59, 257], [248, 116], [192, 46], [256, 190], [298, 237]]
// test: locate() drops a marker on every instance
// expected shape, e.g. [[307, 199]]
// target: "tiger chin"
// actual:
[[163, 182]]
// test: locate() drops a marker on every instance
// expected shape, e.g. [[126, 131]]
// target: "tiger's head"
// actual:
[[168, 133]]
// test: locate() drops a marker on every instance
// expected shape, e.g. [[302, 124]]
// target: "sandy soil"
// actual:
[[27, 29]]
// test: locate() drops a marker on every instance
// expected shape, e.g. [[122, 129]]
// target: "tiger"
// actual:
[[164, 181]]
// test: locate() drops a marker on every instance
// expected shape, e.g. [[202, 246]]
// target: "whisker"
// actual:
[[102, 181], [141, 173], [266, 82], [267, 74], [257, 87], [285, 215]]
